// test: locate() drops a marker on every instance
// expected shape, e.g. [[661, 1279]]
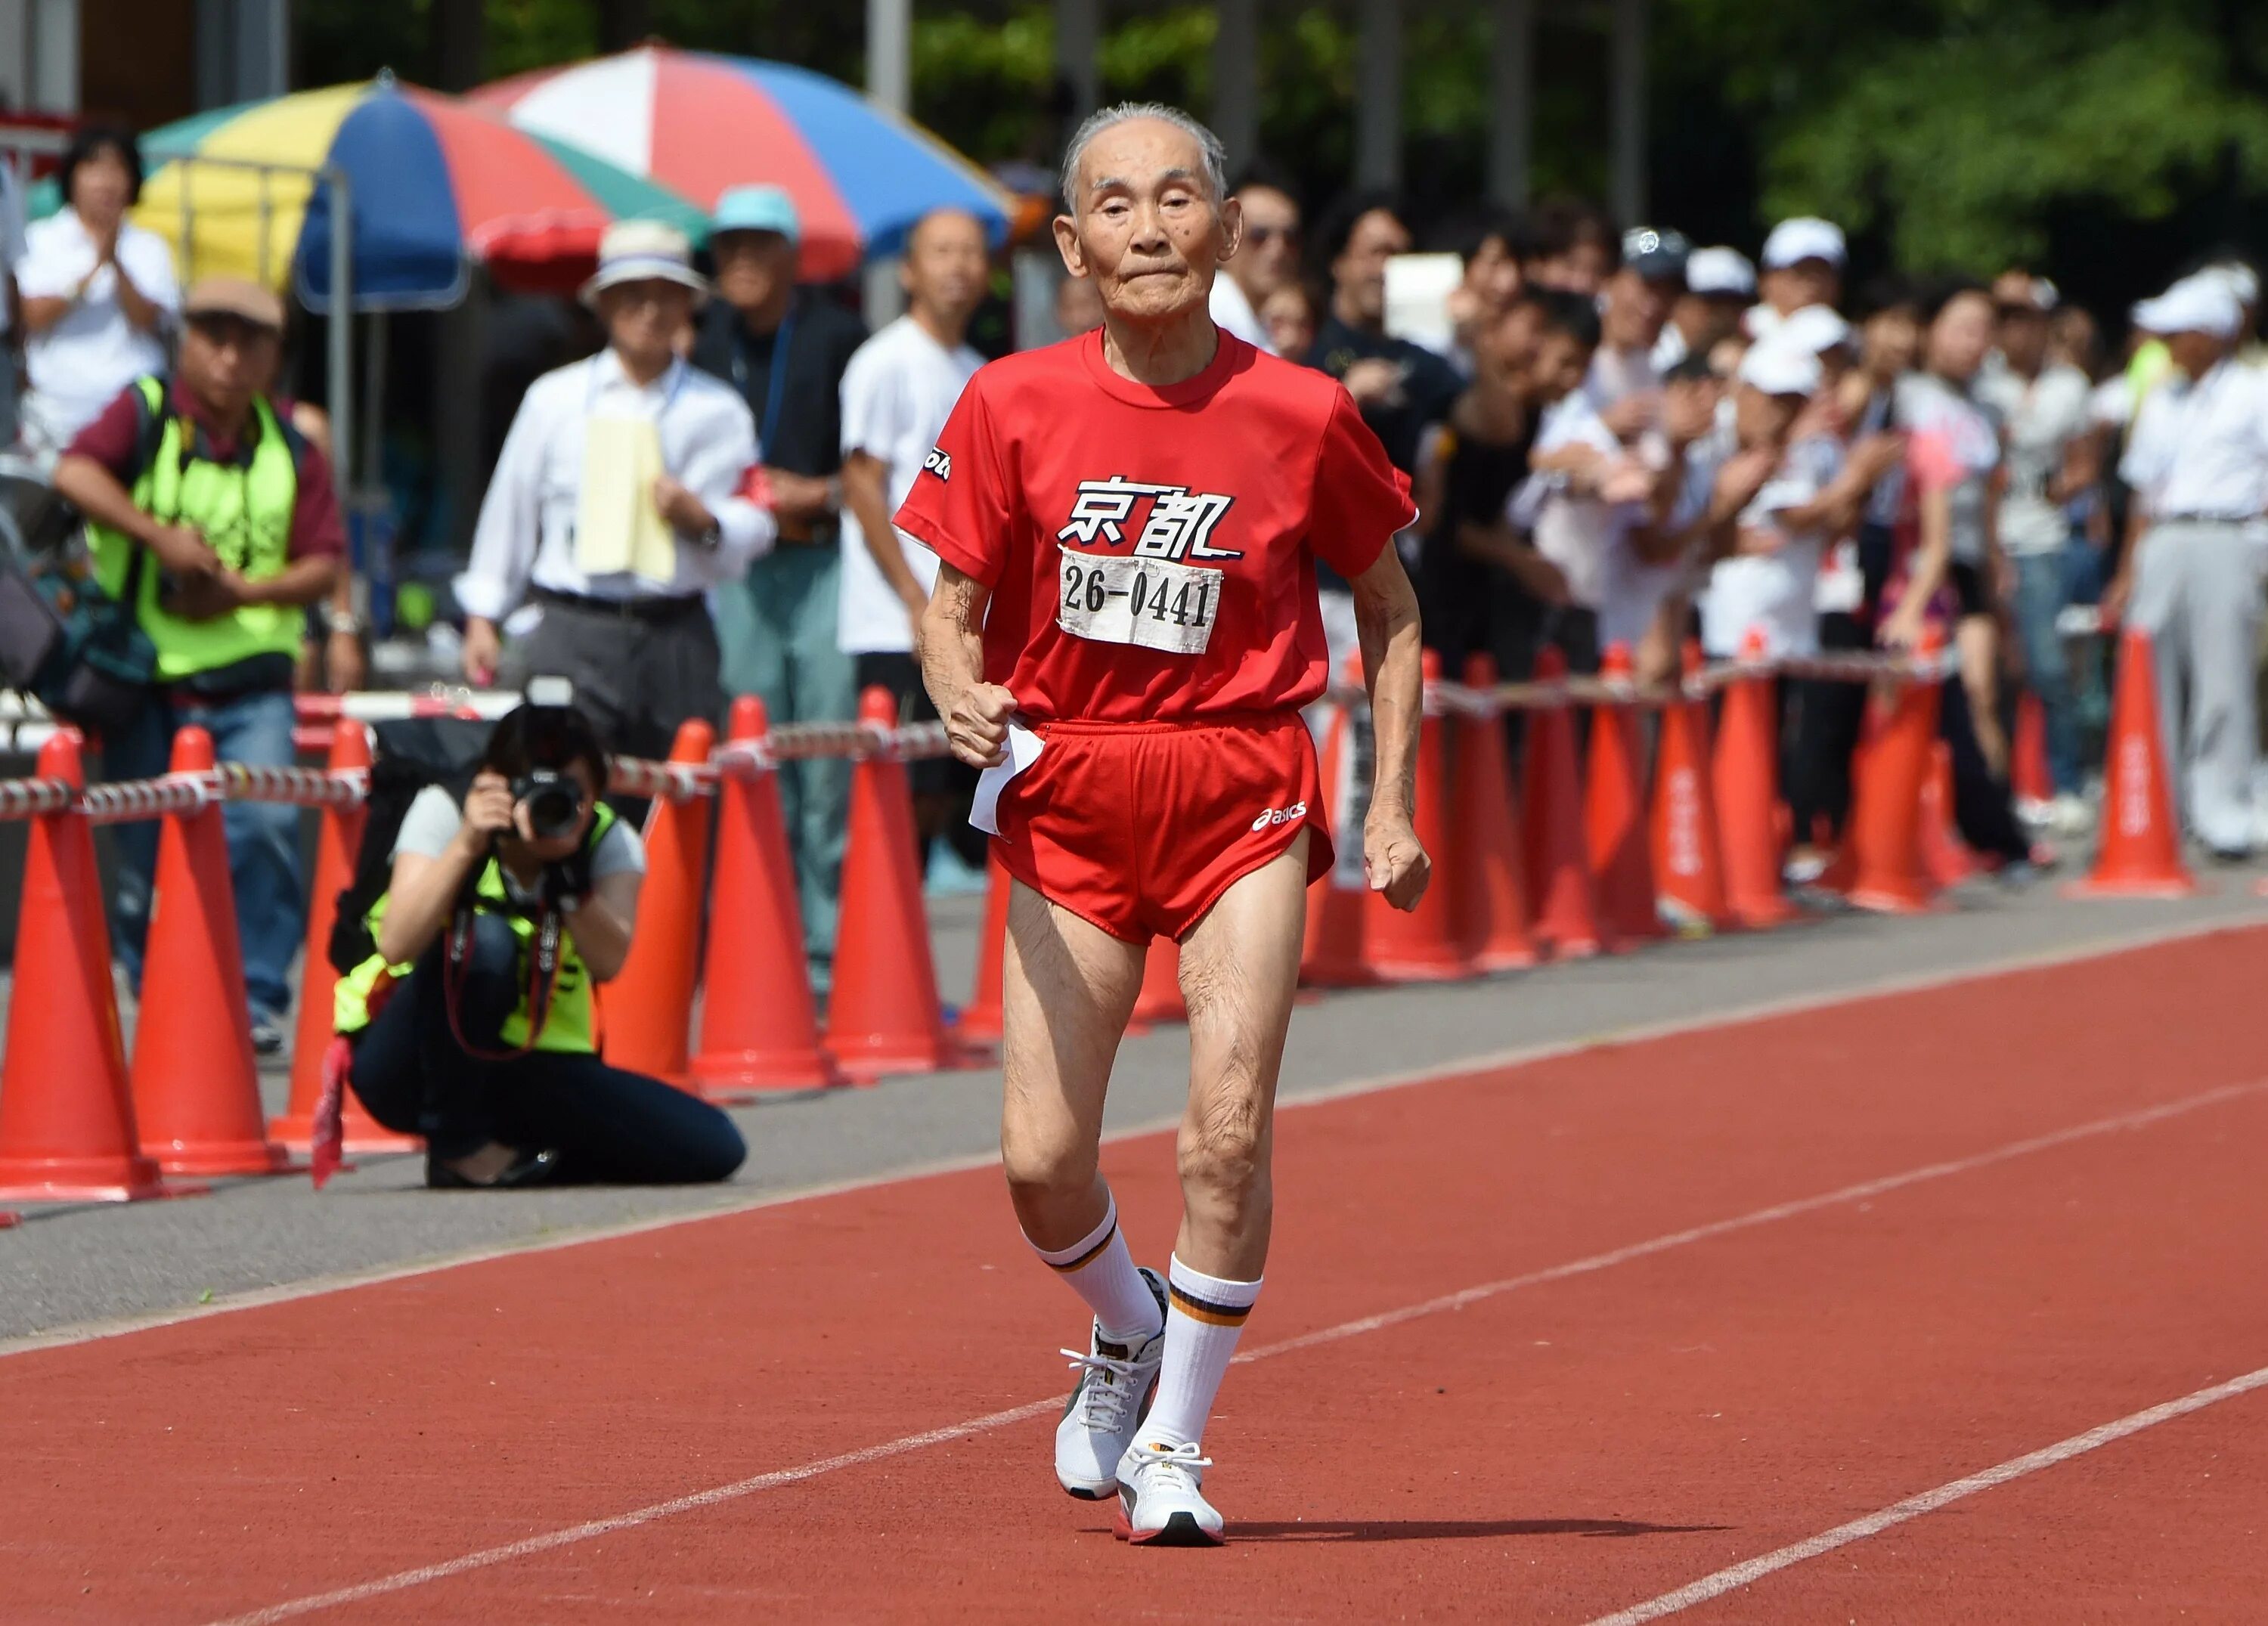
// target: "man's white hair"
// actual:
[[1215, 156]]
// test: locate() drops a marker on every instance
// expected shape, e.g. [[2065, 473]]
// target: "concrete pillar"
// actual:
[[1512, 100], [889, 53], [1377, 95], [1628, 57], [1078, 54], [1236, 79]]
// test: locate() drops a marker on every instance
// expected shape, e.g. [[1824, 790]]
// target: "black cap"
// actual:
[[1656, 252]]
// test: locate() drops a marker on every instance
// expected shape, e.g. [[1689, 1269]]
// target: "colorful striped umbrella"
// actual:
[[434, 184], [860, 176]]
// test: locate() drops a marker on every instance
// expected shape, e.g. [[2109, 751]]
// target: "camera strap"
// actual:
[[544, 953]]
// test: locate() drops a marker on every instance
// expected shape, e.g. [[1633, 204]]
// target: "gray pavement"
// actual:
[[70, 1267]]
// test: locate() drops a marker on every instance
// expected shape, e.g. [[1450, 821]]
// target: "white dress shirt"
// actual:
[[2199, 448], [1231, 310], [526, 531], [77, 367]]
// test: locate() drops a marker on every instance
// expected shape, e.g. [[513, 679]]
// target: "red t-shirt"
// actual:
[[1151, 552]]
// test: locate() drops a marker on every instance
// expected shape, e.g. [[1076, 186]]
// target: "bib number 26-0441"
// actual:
[[1154, 603]]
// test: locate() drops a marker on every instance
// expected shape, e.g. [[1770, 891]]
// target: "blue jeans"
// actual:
[[263, 837], [2044, 586]]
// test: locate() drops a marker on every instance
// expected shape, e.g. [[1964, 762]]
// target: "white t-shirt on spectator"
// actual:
[[1775, 592], [1231, 310], [1589, 539], [897, 392], [78, 366], [2039, 418]]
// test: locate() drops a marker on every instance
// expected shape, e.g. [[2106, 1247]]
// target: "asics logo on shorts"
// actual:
[[939, 462], [1270, 816]]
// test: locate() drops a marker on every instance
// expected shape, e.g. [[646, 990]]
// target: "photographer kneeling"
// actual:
[[472, 1024]]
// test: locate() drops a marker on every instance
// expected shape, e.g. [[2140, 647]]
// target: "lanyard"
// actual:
[[774, 381]]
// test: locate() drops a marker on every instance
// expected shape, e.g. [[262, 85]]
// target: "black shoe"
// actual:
[[531, 1168], [267, 1035]]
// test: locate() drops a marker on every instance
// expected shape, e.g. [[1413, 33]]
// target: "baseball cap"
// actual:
[[1720, 271], [234, 296], [2199, 304], [1779, 366], [1656, 253], [1807, 237], [758, 209], [2238, 277], [644, 251], [1815, 328]]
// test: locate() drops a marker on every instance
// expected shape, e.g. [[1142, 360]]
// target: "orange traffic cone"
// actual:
[[1945, 858], [2029, 773], [2140, 853], [196, 1087], [1886, 813], [759, 1024], [1614, 817], [1331, 954], [66, 1117], [1161, 998], [1420, 945], [334, 866], [649, 1006], [1744, 785], [884, 1016], [1483, 853], [1687, 863], [1558, 870], [980, 1018]]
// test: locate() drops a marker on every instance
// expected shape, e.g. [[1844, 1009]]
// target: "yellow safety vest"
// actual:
[[243, 509], [570, 1027]]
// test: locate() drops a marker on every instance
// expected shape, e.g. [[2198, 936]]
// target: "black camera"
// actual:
[[554, 802]]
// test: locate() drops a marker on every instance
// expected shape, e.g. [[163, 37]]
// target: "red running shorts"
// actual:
[[1140, 827]]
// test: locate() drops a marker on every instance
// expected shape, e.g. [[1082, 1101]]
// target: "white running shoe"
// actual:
[[1160, 1501], [1115, 1385]]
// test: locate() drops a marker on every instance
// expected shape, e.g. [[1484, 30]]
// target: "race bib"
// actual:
[[1154, 603]]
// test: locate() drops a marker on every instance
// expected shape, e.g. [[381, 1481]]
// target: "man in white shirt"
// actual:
[[2197, 465], [2049, 451], [1266, 259], [98, 292], [1720, 282], [628, 488], [898, 391], [1803, 262]]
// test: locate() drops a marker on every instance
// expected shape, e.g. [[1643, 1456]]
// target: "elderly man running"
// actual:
[[1123, 630]]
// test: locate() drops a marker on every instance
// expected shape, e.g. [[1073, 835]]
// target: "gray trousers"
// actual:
[[2197, 593], [636, 681]]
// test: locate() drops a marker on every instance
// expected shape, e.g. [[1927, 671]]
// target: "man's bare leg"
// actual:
[[1240, 972]]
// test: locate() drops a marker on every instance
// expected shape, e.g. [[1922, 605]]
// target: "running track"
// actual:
[[1542, 1343]]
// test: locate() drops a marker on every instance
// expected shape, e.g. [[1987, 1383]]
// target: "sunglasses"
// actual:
[[1259, 235]]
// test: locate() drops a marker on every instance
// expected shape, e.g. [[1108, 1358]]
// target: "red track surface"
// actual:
[[1553, 1451]]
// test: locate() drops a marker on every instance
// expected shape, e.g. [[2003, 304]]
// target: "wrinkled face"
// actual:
[[1147, 226], [1636, 309], [643, 319], [1763, 420], [1561, 361], [946, 263], [225, 360], [1290, 318], [100, 187], [752, 266], [1270, 257], [1360, 272], [1960, 335]]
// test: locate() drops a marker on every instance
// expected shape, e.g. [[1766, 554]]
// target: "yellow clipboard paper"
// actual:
[[617, 528]]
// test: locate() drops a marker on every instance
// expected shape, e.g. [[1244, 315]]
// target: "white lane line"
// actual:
[[487, 1556], [1739, 1575], [1294, 1095]]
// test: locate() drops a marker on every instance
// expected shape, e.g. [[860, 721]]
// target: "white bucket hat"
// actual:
[[644, 251]]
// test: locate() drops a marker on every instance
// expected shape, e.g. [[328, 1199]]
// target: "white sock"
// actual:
[[1203, 1316], [1101, 1271]]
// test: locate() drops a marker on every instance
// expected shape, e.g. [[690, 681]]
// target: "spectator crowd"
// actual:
[[1618, 439]]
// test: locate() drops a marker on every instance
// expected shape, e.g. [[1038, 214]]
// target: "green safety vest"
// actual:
[[242, 508], [570, 1027]]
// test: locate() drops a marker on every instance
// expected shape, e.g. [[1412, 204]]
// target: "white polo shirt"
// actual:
[[1589, 539], [2200, 448], [1775, 592], [899, 389], [77, 367]]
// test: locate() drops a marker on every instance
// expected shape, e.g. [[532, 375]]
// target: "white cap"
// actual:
[[1779, 367], [1816, 327], [1805, 236], [2238, 277], [643, 251], [2199, 304], [1720, 271]]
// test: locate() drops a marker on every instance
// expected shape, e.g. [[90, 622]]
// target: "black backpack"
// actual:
[[410, 755]]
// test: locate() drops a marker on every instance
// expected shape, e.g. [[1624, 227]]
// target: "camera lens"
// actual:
[[554, 803]]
